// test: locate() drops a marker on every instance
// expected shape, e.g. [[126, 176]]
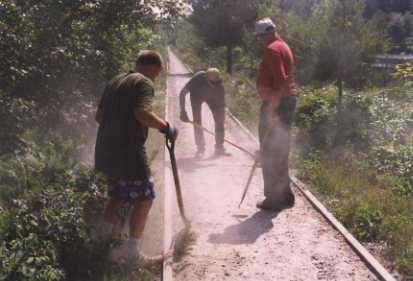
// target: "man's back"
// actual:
[[119, 145], [203, 90]]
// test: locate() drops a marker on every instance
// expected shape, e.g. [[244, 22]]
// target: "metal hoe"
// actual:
[[254, 167], [170, 144]]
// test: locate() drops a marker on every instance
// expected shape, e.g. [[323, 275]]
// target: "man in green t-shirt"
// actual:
[[124, 115], [205, 86]]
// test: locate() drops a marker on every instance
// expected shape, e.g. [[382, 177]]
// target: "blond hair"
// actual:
[[213, 74]]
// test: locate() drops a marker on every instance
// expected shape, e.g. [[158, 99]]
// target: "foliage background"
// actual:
[[353, 127], [55, 58]]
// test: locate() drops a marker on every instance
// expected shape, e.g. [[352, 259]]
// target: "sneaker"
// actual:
[[125, 253], [145, 260], [200, 152]]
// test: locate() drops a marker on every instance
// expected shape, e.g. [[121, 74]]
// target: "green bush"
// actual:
[[374, 207], [354, 140], [362, 220], [48, 208], [16, 115]]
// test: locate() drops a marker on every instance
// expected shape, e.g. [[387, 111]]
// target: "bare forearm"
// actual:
[[99, 115], [182, 96], [149, 119]]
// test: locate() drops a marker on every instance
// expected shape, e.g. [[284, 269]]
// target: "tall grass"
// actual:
[[370, 205]]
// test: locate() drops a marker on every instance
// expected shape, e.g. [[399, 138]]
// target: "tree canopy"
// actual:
[[222, 23], [57, 54]]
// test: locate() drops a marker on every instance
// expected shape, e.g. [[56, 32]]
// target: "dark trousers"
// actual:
[[275, 147], [218, 112]]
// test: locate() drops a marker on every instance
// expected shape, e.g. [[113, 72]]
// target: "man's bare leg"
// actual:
[[131, 247], [111, 211], [136, 227], [110, 218], [138, 218]]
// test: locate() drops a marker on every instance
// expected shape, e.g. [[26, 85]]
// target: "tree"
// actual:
[[57, 54], [344, 41], [223, 22], [301, 7], [396, 16], [344, 45]]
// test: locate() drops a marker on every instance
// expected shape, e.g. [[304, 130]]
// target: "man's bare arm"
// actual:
[[182, 96], [99, 115], [149, 119]]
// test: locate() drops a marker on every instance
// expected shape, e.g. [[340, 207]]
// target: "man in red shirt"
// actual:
[[277, 89]]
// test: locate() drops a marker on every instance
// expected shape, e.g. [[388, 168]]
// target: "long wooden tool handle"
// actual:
[[170, 144], [177, 186], [255, 165], [247, 185], [225, 140]]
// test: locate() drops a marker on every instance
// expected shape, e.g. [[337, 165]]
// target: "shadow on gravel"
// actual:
[[246, 232]]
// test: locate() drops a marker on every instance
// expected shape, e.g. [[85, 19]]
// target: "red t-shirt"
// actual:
[[275, 75]]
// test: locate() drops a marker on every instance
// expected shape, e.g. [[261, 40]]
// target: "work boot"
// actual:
[[288, 202], [220, 151], [268, 206], [200, 152]]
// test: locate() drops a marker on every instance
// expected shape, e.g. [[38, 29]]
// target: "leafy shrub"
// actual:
[[374, 207], [363, 221], [355, 148], [47, 221], [16, 115]]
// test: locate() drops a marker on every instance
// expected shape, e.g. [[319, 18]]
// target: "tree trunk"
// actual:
[[229, 59], [340, 98], [338, 135]]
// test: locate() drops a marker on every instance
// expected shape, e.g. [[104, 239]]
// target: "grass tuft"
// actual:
[[183, 243], [367, 203]]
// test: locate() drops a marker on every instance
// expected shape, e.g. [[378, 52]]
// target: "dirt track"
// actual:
[[247, 244]]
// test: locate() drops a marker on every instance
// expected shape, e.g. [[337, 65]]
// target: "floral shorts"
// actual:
[[131, 191]]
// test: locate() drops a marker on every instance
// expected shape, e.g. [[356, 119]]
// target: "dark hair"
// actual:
[[148, 57]]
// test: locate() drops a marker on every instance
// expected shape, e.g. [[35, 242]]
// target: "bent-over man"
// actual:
[[205, 86]]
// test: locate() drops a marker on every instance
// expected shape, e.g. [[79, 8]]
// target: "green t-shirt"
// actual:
[[119, 150]]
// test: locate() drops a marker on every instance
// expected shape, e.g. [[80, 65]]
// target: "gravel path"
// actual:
[[247, 244]]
